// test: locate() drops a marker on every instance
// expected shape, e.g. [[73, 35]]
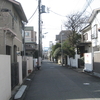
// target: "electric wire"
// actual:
[[57, 13], [92, 10], [87, 5], [89, 2], [33, 14]]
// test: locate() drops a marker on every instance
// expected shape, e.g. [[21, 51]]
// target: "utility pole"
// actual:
[[41, 9], [61, 47], [39, 33]]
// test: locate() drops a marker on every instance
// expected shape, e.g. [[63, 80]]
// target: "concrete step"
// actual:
[[20, 92]]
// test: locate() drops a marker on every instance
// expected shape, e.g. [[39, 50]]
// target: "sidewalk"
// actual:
[[81, 70]]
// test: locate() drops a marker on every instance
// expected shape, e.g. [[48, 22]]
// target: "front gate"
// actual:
[[96, 64], [14, 74], [24, 69]]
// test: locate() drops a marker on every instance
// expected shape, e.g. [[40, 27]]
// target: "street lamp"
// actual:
[[43, 35]]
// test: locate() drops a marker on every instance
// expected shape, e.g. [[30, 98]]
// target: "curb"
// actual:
[[26, 83]]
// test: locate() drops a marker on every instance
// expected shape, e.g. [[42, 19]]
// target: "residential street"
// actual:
[[54, 82]]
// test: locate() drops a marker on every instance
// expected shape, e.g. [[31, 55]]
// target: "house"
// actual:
[[12, 17], [91, 43], [30, 41], [85, 45], [13, 70], [63, 35]]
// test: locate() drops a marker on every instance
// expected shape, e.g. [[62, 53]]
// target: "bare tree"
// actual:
[[75, 22]]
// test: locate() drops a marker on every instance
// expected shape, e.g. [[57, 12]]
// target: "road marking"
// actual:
[[86, 83]]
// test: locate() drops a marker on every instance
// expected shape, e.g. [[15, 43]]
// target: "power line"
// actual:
[[92, 10], [57, 13], [81, 12], [89, 4], [33, 14]]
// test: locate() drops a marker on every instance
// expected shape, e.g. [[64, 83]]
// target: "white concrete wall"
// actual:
[[19, 59], [5, 77], [88, 62], [77, 57], [29, 64], [35, 62], [74, 61]]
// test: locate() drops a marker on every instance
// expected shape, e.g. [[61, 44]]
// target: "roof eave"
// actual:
[[95, 11], [86, 28], [23, 16]]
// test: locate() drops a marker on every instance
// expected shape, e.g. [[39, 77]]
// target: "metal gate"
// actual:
[[24, 69], [14, 74], [96, 64]]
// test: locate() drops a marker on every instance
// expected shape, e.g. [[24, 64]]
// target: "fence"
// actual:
[[96, 64], [73, 61], [13, 74], [24, 69], [29, 65], [5, 77]]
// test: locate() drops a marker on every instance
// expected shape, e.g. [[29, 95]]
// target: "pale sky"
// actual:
[[52, 22]]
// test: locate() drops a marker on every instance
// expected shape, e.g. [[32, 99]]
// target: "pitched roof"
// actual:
[[94, 13], [19, 10]]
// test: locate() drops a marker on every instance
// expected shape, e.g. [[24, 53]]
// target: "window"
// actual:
[[26, 33], [94, 31], [85, 36]]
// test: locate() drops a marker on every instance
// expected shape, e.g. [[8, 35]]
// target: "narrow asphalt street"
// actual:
[[54, 82]]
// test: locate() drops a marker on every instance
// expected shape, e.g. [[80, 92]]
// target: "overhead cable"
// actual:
[[33, 14], [92, 10], [57, 13]]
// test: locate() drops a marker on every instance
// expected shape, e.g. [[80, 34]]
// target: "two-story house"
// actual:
[[30, 41], [12, 17], [91, 42]]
